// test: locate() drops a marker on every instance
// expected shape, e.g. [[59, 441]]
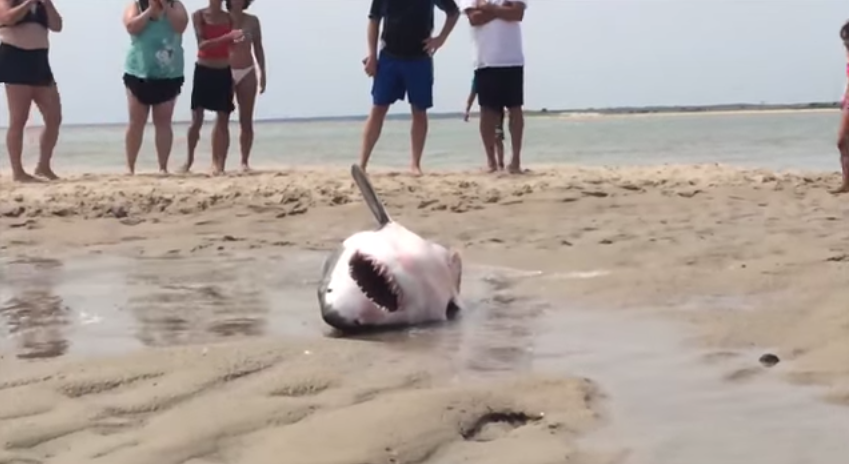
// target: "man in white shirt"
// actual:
[[499, 70]]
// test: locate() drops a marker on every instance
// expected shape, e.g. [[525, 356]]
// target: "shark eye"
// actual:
[[375, 281]]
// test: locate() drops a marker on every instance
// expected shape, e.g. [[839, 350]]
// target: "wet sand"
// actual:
[[616, 315]]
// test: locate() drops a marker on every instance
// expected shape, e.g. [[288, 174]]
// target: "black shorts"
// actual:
[[152, 92], [25, 67], [500, 88], [212, 89]]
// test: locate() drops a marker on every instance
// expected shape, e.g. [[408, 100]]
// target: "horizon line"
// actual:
[[611, 110]]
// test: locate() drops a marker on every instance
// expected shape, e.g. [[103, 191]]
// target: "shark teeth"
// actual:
[[375, 281]]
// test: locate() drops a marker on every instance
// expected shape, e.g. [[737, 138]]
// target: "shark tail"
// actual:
[[373, 202]]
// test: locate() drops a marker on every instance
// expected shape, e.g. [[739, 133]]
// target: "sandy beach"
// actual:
[[739, 263]]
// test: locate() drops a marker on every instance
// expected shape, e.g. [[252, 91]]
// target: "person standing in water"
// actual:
[[498, 163], [244, 71], [153, 73], [843, 131], [213, 81], [25, 70]]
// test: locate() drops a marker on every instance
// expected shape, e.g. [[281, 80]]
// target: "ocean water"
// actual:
[[778, 140]]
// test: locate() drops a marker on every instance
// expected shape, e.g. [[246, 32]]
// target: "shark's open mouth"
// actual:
[[375, 281]]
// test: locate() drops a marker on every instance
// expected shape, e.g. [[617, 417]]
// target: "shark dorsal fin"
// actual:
[[370, 196]]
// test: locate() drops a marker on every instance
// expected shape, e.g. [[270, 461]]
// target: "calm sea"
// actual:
[[790, 140]]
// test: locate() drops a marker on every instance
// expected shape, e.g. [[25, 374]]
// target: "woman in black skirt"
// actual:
[[25, 71], [212, 85]]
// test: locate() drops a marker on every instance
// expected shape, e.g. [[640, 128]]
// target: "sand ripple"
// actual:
[[258, 403]]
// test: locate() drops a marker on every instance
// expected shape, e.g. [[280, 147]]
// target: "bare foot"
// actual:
[[515, 169], [246, 167], [416, 171], [843, 189], [163, 173], [46, 172], [186, 168], [216, 171], [25, 178], [489, 169]]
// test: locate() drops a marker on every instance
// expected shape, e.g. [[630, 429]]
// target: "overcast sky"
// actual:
[[580, 53]]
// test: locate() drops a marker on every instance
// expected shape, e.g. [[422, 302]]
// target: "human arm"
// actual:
[[477, 15], [372, 34], [12, 14], [135, 20], [197, 20], [469, 102], [54, 19], [259, 51], [373, 31], [452, 14], [177, 15], [509, 11]]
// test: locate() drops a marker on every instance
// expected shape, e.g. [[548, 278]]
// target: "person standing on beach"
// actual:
[[213, 81], [843, 132], [244, 71], [153, 73], [499, 71], [404, 65], [25, 70], [499, 129]]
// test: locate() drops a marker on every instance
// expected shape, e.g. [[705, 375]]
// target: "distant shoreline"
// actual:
[[722, 108], [741, 108], [610, 111]]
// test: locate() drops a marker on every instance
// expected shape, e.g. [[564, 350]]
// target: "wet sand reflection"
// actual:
[[36, 318], [495, 335], [181, 301], [108, 304]]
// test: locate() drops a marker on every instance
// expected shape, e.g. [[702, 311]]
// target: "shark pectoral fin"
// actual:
[[452, 310], [455, 262], [327, 275]]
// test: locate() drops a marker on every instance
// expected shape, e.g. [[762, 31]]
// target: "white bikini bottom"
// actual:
[[240, 74]]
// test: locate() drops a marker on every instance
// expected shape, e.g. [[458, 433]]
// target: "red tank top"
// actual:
[[212, 31]]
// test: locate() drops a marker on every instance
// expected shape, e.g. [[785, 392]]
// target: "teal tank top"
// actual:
[[156, 52]]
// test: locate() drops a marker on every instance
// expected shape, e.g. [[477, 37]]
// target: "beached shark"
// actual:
[[388, 277]]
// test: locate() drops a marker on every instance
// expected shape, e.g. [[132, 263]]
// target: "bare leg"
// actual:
[[192, 138], [246, 98], [135, 130], [499, 152], [488, 123], [418, 136], [843, 147], [517, 129], [499, 142], [371, 133], [162, 123], [19, 98], [220, 142], [50, 105]]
